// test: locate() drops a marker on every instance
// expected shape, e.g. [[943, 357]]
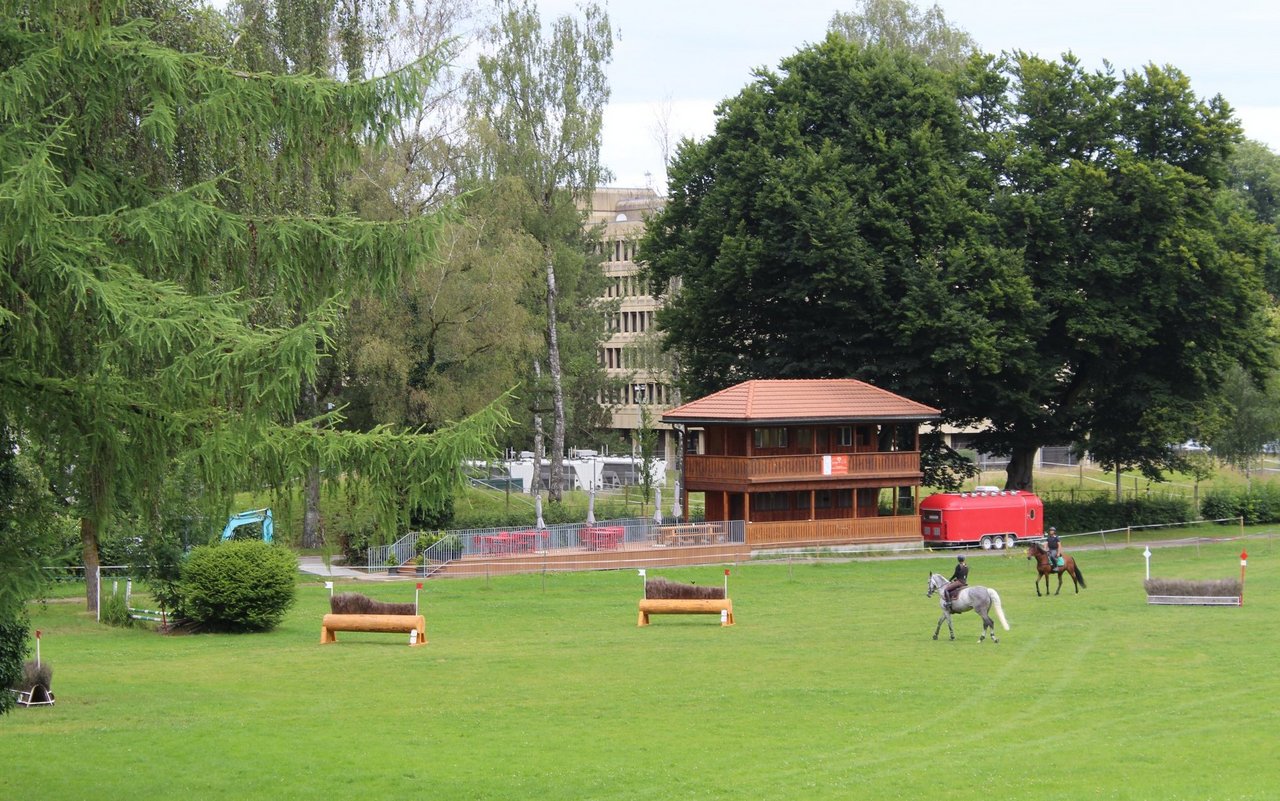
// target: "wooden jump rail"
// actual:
[[686, 606], [393, 624]]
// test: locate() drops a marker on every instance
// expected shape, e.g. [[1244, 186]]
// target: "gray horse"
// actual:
[[976, 597]]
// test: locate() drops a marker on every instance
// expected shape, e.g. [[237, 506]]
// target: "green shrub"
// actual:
[[115, 611], [239, 585], [449, 546], [355, 545], [14, 644], [1100, 514], [1257, 504]]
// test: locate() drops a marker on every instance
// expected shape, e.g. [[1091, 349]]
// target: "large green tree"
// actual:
[[1248, 420], [537, 108], [319, 38], [146, 260], [1112, 189], [1024, 242]]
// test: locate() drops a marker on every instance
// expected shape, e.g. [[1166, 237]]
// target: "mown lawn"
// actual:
[[829, 687]]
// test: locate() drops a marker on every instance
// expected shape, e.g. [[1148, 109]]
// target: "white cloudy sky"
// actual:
[[687, 55]]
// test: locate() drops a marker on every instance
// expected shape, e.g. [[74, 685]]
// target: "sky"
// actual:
[[676, 60]]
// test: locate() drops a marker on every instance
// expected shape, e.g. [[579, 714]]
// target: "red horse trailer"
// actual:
[[989, 517]]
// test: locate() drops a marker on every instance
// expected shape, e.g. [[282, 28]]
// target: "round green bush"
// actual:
[[238, 585]]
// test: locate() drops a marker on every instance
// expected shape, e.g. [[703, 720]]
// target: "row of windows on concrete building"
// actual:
[[631, 322], [629, 358], [628, 286], [630, 394], [617, 250]]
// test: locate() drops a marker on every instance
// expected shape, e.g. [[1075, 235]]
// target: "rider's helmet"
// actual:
[[1053, 530], [959, 558]]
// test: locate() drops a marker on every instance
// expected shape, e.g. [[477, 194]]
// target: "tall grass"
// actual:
[[828, 687]]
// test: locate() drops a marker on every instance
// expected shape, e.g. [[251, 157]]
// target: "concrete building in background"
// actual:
[[631, 355]]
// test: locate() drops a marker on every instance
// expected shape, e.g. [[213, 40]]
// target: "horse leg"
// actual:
[[938, 627], [987, 623], [1046, 583]]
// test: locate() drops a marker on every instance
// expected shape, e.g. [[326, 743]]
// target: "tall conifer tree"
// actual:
[[143, 248]]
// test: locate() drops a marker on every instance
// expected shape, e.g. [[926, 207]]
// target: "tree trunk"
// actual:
[[538, 435], [1019, 473], [98, 492], [89, 541], [557, 386], [312, 522], [312, 525]]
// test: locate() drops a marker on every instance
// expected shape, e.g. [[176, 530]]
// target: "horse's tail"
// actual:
[[995, 604], [1079, 575]]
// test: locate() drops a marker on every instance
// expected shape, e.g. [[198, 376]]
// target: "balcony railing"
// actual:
[[798, 533], [745, 469]]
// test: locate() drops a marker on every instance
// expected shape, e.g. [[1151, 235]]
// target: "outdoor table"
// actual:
[[600, 538]]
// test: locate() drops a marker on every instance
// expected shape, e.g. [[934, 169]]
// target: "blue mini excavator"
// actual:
[[250, 517]]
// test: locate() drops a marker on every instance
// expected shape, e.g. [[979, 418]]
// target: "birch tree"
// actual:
[[537, 104]]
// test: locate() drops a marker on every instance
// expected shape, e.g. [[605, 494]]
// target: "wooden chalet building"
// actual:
[[806, 462]]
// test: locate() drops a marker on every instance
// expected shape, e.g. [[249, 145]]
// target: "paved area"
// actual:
[[316, 566]]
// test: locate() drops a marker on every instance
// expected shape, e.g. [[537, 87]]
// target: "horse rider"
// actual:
[[959, 580], [1054, 547]]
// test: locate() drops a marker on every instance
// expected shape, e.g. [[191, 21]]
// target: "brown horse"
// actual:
[[1039, 553]]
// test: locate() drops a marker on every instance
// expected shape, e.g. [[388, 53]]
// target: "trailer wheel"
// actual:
[[997, 543], [985, 542]]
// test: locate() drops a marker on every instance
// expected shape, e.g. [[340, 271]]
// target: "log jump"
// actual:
[[686, 606], [393, 624]]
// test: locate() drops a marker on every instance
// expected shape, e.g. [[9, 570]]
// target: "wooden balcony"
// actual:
[[729, 472]]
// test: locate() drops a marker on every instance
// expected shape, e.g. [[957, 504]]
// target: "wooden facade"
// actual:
[[807, 463]]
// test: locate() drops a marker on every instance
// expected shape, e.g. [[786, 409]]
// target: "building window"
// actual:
[[845, 435], [770, 437], [770, 502]]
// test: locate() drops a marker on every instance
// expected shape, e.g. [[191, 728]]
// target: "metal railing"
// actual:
[[507, 540]]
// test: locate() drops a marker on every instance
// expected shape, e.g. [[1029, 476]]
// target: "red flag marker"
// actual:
[[37, 634], [419, 585], [1244, 559]]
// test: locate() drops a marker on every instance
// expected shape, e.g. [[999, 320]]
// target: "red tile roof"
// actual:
[[797, 400]]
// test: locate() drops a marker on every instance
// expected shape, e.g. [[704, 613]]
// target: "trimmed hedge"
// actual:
[[1101, 514], [238, 585], [1257, 504]]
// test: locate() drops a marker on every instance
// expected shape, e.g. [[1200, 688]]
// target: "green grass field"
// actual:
[[829, 687]]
